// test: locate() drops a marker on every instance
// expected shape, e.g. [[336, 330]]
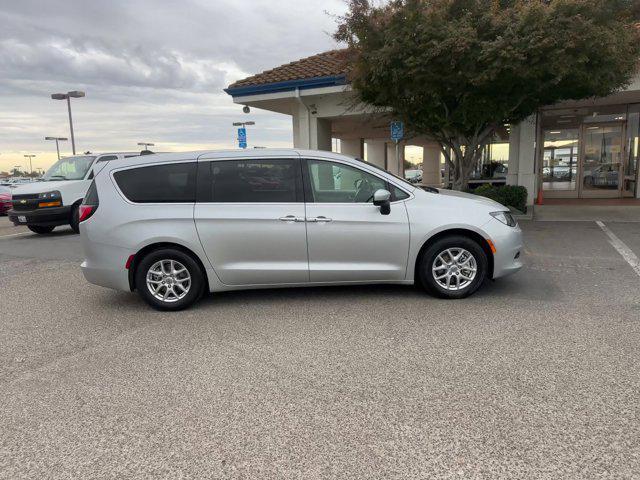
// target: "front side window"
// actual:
[[70, 168], [332, 182], [255, 180], [170, 183]]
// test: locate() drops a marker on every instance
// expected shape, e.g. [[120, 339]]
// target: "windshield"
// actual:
[[70, 168]]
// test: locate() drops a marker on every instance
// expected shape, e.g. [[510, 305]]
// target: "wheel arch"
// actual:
[[473, 235], [140, 254]]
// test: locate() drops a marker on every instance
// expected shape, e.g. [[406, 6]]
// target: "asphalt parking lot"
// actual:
[[536, 376]]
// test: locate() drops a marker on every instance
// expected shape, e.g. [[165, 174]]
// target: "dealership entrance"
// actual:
[[589, 153]]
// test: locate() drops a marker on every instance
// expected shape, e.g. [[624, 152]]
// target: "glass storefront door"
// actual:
[[590, 152], [602, 159], [560, 159]]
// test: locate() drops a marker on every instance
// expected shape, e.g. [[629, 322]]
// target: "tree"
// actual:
[[457, 70]]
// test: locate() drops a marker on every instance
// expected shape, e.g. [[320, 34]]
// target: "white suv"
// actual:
[[43, 205], [173, 226]]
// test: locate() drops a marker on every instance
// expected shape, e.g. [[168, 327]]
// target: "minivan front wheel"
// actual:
[[453, 267], [169, 279]]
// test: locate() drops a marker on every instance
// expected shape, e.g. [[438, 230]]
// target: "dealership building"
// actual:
[[573, 150]]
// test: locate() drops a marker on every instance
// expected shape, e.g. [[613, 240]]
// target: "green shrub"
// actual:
[[508, 195]]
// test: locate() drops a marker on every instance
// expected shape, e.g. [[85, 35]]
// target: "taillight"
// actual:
[[86, 211], [89, 204]]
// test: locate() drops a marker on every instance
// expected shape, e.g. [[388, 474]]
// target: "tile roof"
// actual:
[[326, 64]]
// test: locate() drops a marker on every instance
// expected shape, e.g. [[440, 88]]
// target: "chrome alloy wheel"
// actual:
[[454, 269], [168, 280]]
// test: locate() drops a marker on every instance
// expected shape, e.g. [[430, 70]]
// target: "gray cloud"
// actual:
[[152, 69]]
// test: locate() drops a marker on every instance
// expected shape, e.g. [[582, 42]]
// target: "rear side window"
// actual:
[[91, 198], [170, 183], [256, 181]]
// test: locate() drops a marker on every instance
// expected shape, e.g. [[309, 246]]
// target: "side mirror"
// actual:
[[382, 199]]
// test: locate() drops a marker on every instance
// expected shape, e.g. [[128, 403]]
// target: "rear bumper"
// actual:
[[42, 217], [104, 264]]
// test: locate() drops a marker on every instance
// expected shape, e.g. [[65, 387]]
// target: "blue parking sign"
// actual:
[[242, 137], [397, 131]]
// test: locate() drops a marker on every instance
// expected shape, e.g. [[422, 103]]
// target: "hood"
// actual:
[[475, 198], [39, 187]]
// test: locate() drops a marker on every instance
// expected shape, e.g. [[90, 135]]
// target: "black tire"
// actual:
[[196, 287], [74, 222], [39, 229], [427, 276]]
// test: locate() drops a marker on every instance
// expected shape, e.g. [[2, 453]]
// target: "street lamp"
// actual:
[[30, 157], [68, 96], [57, 139], [16, 169], [146, 145]]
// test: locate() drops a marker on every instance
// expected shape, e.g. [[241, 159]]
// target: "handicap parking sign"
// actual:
[[242, 137], [397, 131]]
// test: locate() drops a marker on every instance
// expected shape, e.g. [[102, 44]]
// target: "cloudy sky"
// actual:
[[153, 70]]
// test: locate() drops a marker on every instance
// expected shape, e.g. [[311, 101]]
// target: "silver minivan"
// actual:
[[174, 226]]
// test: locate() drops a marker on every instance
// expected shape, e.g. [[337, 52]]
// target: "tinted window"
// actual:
[[173, 183], [91, 198], [399, 194], [269, 181], [339, 183]]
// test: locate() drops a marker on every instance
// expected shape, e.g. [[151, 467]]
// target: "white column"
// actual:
[[353, 147], [301, 127], [522, 157], [376, 152], [431, 165], [395, 165], [309, 131]]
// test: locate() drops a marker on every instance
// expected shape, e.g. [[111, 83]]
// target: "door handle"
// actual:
[[320, 219], [291, 218]]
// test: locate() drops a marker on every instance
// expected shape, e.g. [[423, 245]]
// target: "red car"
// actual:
[[5, 200]]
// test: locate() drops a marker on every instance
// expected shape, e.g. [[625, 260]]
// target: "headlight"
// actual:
[[505, 217], [49, 195]]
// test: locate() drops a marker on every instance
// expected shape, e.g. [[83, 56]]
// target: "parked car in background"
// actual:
[[174, 226], [413, 176], [55, 200], [16, 181], [5, 200]]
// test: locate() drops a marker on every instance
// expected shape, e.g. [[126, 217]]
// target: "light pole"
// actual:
[[61, 139], [146, 145], [16, 169], [30, 157], [68, 96]]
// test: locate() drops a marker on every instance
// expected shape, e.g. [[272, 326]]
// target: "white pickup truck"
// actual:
[[44, 205]]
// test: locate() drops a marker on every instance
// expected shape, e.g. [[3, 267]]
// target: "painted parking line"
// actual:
[[15, 235], [626, 253]]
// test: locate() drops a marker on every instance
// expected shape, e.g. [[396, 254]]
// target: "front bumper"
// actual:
[[46, 217], [509, 248]]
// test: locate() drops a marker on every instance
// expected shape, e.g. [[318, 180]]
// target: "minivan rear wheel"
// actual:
[[453, 267], [169, 279]]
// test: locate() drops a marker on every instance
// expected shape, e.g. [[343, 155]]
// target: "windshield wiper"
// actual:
[[58, 176]]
